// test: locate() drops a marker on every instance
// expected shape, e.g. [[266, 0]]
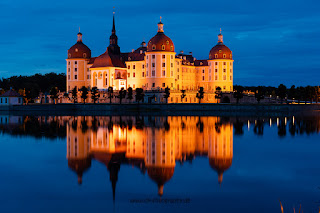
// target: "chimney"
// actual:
[[181, 52]]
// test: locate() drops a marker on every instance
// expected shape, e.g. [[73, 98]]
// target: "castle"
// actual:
[[153, 67]]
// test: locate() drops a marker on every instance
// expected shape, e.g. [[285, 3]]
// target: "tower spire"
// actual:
[[113, 25], [113, 47], [220, 37]]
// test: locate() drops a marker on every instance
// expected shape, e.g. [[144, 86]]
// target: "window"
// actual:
[[171, 64], [220, 51], [216, 55], [224, 70], [216, 70], [153, 73], [1, 102], [142, 74], [164, 73], [153, 47], [128, 75], [171, 48], [142, 66], [88, 70], [163, 47], [216, 63], [224, 87], [172, 57], [75, 69], [202, 71], [147, 64], [171, 73], [153, 84], [163, 56], [230, 77], [224, 56], [230, 70], [163, 64], [5, 100], [75, 77], [134, 74], [129, 67], [69, 63], [216, 78], [134, 67], [134, 86], [224, 63], [224, 77], [153, 65], [209, 70], [178, 70], [88, 76], [209, 78], [68, 77], [163, 84], [147, 57], [153, 56], [203, 78], [171, 84], [68, 69], [75, 62]]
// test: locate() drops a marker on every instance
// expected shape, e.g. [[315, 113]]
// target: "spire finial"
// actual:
[[114, 10], [79, 30], [220, 30], [160, 18], [220, 37]]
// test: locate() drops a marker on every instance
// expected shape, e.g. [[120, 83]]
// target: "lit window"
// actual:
[[134, 74], [216, 78], [129, 67], [171, 64], [171, 73], [134, 67], [216, 63], [203, 78], [142, 66], [216, 55], [172, 57], [163, 47], [224, 77], [220, 51], [142, 74], [134, 86], [171, 48], [128, 75], [224, 70], [224, 63], [216, 70], [168, 42], [224, 56]]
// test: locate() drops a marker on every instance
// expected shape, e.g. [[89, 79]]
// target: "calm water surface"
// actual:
[[159, 164]]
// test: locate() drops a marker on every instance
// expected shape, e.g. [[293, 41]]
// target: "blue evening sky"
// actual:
[[273, 42]]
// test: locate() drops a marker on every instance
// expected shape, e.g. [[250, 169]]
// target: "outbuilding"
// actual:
[[11, 97]]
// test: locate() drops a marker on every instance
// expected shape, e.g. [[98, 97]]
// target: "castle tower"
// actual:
[[78, 145], [221, 149], [221, 66], [114, 47], [78, 74], [160, 157], [160, 61]]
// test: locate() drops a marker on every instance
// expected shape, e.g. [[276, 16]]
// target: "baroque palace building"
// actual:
[[153, 67]]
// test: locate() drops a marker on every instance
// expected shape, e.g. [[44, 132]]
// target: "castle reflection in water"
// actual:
[[152, 144]]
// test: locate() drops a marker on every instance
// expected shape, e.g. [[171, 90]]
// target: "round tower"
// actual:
[[221, 65], [160, 61], [78, 74]]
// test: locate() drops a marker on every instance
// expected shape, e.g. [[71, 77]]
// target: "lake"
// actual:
[[159, 163]]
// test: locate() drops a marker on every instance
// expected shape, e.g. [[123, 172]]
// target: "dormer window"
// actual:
[[163, 47], [171, 48], [153, 47], [129, 58], [216, 55], [220, 51], [84, 55], [224, 56], [230, 55]]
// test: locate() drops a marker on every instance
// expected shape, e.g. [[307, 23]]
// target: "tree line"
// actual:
[[293, 94]]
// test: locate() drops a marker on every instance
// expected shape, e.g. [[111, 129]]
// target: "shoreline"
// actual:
[[164, 109]]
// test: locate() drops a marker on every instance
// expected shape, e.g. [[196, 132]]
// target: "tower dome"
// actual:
[[220, 165], [79, 50], [220, 51], [160, 42], [160, 176]]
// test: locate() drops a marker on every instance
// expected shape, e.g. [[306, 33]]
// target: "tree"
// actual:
[[54, 94], [122, 94], [130, 95], [238, 93], [110, 93], [259, 93], [84, 94], [292, 92], [183, 95], [94, 94], [166, 93], [282, 92], [74, 94], [200, 94], [139, 95], [218, 93]]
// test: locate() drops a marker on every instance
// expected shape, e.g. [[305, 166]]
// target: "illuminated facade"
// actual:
[[153, 144], [153, 67]]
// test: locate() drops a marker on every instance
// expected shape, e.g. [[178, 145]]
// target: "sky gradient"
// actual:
[[273, 42]]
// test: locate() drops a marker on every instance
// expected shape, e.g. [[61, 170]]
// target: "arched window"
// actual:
[[153, 47], [224, 56], [216, 55], [95, 79], [171, 48], [163, 47], [106, 79]]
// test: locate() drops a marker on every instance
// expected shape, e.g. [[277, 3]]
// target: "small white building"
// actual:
[[11, 97]]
